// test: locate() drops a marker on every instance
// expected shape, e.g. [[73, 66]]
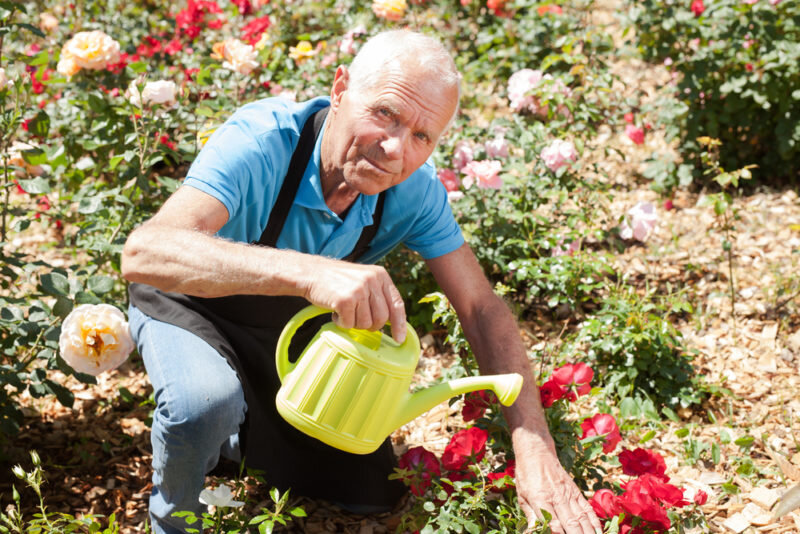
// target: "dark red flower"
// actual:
[[602, 424], [466, 446], [251, 32], [498, 479], [575, 378], [668, 205], [550, 392], [700, 498], [475, 404], [640, 461], [605, 504], [748, 67], [423, 464], [697, 7]]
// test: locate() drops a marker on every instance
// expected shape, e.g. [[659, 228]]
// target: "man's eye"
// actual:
[[421, 136], [385, 112]]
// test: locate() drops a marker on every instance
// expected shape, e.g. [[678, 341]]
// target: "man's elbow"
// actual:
[[133, 262]]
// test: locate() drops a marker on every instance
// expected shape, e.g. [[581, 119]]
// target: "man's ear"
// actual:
[[341, 80]]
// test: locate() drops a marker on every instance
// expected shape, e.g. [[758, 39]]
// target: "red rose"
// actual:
[[575, 378], [602, 424], [423, 464], [629, 118], [697, 7], [657, 488], [641, 461], [498, 478], [550, 392], [150, 47], [251, 32], [700, 498], [644, 506], [605, 504], [465, 446], [245, 7], [475, 404], [635, 134], [668, 205]]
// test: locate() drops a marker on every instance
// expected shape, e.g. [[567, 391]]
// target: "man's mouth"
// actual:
[[382, 168]]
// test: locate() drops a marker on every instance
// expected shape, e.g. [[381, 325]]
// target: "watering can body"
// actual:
[[349, 387]]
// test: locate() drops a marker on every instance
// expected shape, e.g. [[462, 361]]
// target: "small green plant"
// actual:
[[722, 203], [13, 521]]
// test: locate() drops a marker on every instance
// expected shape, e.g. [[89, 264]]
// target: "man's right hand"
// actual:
[[361, 296]]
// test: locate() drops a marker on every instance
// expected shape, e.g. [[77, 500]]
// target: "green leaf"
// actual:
[[62, 307], [672, 416], [37, 156], [83, 297], [745, 441], [647, 437], [715, 453], [55, 284], [33, 29], [35, 186], [100, 284], [298, 512], [682, 432], [64, 395]]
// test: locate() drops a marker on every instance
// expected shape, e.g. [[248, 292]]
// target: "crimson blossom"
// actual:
[[550, 392], [465, 447], [575, 378], [602, 424], [640, 461], [423, 464], [476, 403]]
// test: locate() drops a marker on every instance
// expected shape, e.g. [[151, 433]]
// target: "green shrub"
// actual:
[[738, 80], [637, 352]]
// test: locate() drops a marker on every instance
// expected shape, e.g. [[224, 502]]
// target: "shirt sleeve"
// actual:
[[435, 231]]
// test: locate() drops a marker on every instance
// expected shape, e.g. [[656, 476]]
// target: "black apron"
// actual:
[[245, 330]]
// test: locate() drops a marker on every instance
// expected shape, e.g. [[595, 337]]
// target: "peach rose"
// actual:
[[95, 338], [92, 50], [236, 55], [47, 22]]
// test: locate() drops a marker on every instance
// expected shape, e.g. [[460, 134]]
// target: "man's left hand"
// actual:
[[543, 484]]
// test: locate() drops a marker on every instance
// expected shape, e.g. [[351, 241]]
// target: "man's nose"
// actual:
[[392, 145]]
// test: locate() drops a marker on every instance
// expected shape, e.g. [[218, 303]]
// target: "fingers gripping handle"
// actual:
[[282, 350]]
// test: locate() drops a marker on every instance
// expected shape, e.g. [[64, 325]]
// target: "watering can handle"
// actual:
[[282, 350]]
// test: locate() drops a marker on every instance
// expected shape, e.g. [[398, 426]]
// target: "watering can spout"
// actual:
[[506, 387]]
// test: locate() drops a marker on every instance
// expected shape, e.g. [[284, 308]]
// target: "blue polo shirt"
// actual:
[[245, 161]]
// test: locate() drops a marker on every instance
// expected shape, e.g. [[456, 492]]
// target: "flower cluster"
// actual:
[[95, 338], [645, 499], [567, 382], [92, 50], [419, 467], [527, 87]]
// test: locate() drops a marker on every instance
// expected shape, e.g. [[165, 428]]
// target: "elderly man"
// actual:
[[286, 206]]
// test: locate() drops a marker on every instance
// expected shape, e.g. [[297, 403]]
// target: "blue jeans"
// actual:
[[199, 407]]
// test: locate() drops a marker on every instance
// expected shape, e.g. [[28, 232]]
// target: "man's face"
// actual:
[[380, 135]]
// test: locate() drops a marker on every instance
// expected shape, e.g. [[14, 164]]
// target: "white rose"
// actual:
[[95, 338], [91, 50], [639, 222], [158, 92]]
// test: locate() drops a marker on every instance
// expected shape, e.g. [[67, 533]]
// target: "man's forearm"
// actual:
[[494, 337], [195, 263]]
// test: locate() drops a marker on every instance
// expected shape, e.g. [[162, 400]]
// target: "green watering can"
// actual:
[[349, 387]]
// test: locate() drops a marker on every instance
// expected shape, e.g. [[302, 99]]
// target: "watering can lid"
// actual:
[[375, 349]]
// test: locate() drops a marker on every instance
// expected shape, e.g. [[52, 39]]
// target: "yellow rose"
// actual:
[[301, 52], [95, 338], [88, 50], [390, 9]]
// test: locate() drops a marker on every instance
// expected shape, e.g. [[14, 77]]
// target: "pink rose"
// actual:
[[519, 85], [497, 148], [484, 174], [634, 133], [462, 154], [639, 222], [558, 154]]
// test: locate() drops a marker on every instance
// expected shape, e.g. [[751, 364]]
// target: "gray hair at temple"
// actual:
[[398, 50]]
